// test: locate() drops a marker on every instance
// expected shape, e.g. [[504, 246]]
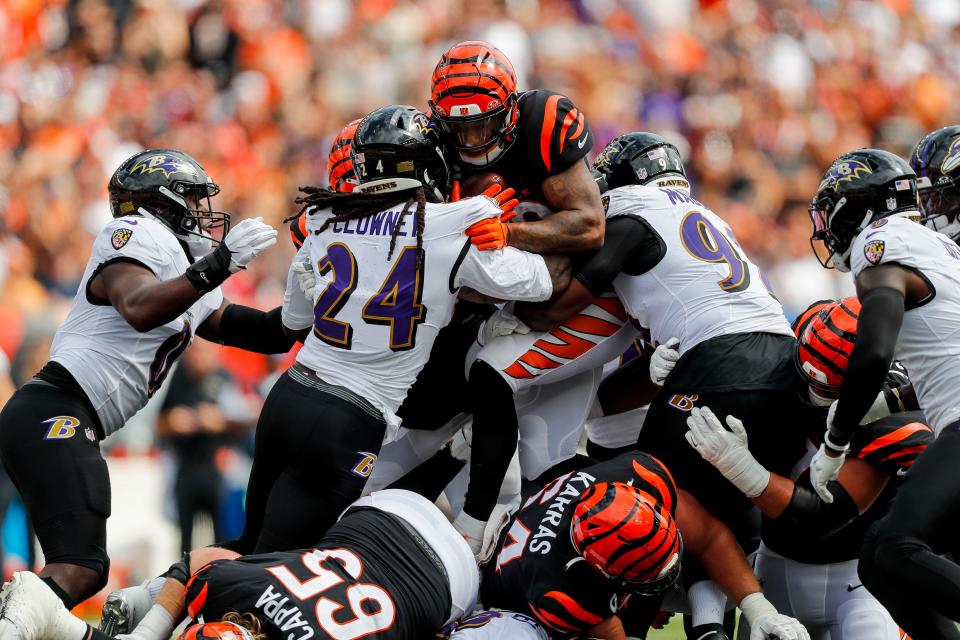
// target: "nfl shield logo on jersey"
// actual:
[[120, 237], [873, 251]]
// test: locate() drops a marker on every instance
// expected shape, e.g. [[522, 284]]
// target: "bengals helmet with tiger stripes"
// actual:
[[339, 164], [473, 96], [219, 630], [825, 344], [626, 534]]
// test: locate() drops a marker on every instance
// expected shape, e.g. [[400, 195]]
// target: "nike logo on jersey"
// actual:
[[902, 472], [851, 587], [582, 141]]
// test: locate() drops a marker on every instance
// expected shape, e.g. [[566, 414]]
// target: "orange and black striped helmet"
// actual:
[[825, 343], [215, 631], [473, 96], [339, 163], [627, 534], [298, 229]]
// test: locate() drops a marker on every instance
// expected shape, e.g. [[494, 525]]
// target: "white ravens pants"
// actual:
[[437, 531], [828, 599]]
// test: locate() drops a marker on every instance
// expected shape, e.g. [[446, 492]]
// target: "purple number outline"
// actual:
[[405, 284], [334, 296], [167, 353], [697, 235]]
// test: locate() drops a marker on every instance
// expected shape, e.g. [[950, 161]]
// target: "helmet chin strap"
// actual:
[[198, 245]]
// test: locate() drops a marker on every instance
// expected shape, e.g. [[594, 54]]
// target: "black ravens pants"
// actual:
[[316, 444], [900, 561]]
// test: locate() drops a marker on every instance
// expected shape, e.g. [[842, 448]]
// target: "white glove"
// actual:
[[306, 278], [765, 622], [663, 360], [460, 443], [727, 450], [472, 531], [501, 323], [247, 240], [824, 468]]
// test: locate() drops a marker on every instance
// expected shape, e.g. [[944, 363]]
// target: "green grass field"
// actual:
[[673, 631]]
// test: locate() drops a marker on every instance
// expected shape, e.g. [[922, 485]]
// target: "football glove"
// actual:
[[766, 623], [306, 278], [825, 467], [727, 451], [501, 323], [663, 360], [247, 240]]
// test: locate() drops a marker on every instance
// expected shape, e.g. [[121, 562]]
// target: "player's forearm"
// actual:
[[723, 560], [776, 497], [569, 231], [155, 304], [881, 316], [609, 629]]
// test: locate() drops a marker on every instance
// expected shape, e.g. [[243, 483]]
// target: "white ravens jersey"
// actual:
[[494, 625], [375, 319], [118, 367], [929, 341], [705, 286]]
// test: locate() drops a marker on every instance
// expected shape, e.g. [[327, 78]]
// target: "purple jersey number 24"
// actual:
[[397, 303]]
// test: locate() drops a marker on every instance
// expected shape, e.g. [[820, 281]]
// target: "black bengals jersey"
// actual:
[[550, 136], [891, 444], [369, 577], [536, 569]]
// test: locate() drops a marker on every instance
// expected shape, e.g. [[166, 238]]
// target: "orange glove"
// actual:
[[489, 233], [504, 199]]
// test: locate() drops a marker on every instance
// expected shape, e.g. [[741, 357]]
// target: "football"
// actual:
[[477, 184]]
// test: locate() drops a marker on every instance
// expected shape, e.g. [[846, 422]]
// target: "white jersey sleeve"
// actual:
[[134, 239], [509, 274], [892, 241], [297, 312], [496, 624], [929, 341]]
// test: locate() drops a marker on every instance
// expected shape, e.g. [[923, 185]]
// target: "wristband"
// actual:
[[832, 445], [209, 272], [755, 606], [180, 571]]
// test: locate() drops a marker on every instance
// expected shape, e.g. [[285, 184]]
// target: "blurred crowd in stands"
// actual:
[[759, 94]]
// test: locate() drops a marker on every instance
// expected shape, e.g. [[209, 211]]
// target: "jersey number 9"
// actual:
[[705, 242]]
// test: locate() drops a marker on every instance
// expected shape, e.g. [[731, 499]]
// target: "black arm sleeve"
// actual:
[[811, 515], [254, 330], [630, 245], [881, 315]]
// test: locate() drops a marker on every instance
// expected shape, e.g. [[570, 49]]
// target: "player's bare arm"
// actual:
[[144, 301], [715, 547], [884, 291], [609, 629], [578, 223], [543, 316], [862, 481]]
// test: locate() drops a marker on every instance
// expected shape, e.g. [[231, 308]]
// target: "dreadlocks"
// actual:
[[248, 621], [357, 205]]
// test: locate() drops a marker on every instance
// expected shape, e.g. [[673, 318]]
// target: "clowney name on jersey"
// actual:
[[374, 321], [118, 367]]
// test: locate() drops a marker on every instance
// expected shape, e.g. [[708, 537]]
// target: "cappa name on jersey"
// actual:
[[291, 618], [572, 489]]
